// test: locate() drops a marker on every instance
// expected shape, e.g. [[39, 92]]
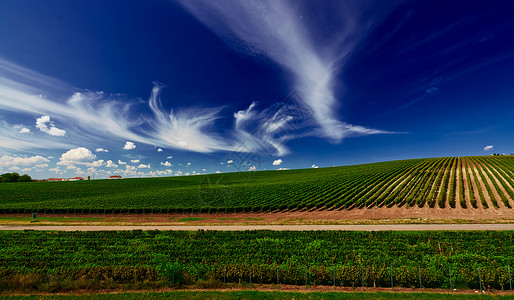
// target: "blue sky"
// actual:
[[159, 88]]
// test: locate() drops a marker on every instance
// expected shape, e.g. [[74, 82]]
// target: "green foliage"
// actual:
[[462, 193], [488, 189], [471, 190], [10, 177], [230, 192], [24, 178], [208, 258], [441, 198], [420, 182], [453, 184], [15, 177], [475, 174]]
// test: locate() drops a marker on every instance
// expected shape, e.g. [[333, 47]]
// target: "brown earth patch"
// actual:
[[473, 175], [279, 288], [501, 181], [496, 196], [374, 215]]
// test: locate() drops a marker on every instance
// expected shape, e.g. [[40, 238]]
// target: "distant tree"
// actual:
[[24, 178], [10, 177]]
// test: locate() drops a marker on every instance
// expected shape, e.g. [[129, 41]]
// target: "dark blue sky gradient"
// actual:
[[437, 73]]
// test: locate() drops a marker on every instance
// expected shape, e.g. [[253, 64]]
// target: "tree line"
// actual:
[[15, 177]]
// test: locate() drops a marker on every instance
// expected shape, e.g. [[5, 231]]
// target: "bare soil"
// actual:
[[472, 172], [354, 227], [496, 196], [467, 196], [282, 288], [374, 215], [500, 180]]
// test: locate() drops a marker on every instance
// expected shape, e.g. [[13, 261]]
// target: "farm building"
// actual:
[[75, 179], [115, 177], [55, 179]]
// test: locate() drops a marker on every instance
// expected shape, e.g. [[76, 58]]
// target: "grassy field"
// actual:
[[469, 182], [63, 261], [266, 295]]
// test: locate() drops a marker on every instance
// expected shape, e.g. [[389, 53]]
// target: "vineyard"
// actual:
[[49, 260], [448, 182]]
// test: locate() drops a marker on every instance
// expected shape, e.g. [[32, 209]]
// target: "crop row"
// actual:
[[468, 182], [350, 258]]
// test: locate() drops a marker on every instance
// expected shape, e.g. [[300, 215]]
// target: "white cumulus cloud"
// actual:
[[277, 162], [159, 150], [24, 130], [77, 155], [230, 161], [143, 166], [135, 161], [314, 166], [47, 126], [488, 148], [121, 162], [129, 146], [252, 168], [97, 163], [167, 164], [111, 164], [101, 150], [13, 161]]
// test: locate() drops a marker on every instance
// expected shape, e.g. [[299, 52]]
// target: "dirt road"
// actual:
[[398, 227]]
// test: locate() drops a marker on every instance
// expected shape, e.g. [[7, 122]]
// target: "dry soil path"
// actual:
[[395, 227]]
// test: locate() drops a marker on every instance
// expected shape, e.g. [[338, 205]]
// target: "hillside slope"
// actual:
[[466, 182]]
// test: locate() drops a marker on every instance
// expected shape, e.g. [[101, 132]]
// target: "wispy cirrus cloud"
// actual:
[[13, 138], [187, 128], [26, 91], [276, 30], [97, 115], [267, 130]]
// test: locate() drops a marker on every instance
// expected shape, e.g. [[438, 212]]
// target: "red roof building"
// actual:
[[55, 179], [115, 177], [75, 179]]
